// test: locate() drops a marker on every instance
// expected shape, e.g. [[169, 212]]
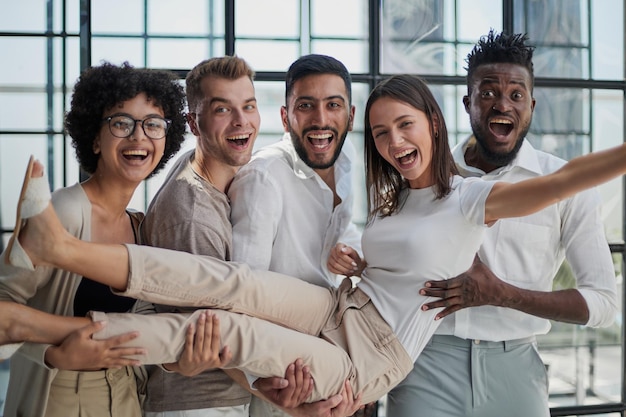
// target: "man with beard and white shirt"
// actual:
[[483, 361], [292, 203]]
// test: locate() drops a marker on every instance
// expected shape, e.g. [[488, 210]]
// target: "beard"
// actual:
[[498, 159], [298, 144]]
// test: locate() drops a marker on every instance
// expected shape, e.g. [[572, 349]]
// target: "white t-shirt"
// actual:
[[427, 239]]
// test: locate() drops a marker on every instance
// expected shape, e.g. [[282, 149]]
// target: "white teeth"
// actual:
[[136, 152], [238, 137], [501, 121], [322, 136], [403, 153]]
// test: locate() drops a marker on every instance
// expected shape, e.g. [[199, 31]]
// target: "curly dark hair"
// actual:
[[495, 48], [102, 87]]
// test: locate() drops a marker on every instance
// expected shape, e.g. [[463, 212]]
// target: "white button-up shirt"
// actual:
[[527, 252], [283, 216]]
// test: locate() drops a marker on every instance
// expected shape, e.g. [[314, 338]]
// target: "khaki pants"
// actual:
[[108, 393], [352, 341]]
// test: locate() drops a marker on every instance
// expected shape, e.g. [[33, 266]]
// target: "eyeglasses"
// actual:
[[123, 126]]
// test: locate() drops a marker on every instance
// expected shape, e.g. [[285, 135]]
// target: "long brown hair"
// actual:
[[384, 183]]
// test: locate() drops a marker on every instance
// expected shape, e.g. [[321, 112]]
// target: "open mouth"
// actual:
[[406, 157], [135, 154], [239, 140], [501, 127], [320, 141]]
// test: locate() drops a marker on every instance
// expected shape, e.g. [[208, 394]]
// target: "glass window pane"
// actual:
[[117, 16], [282, 54], [118, 50], [353, 54], [72, 62], [71, 18], [181, 53], [270, 97], [360, 92], [476, 17], [412, 35], [607, 36], [335, 24], [26, 69], [560, 32], [198, 19], [425, 58], [561, 110], [607, 109], [557, 22], [24, 111], [583, 363], [24, 16], [269, 18], [561, 62]]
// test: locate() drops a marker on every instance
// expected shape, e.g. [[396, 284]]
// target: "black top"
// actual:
[[93, 296]]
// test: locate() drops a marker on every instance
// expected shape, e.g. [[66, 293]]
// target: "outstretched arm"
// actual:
[[20, 323], [529, 196]]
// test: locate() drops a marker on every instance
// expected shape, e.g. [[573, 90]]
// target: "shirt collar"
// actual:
[[526, 159]]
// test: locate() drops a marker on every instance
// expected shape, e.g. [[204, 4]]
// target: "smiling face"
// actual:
[[133, 158], [226, 121], [500, 107], [402, 137], [318, 116]]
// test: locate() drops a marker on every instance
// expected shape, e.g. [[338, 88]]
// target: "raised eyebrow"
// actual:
[[489, 81], [218, 100], [336, 97], [130, 116]]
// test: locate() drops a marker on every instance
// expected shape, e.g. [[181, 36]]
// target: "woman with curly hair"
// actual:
[[125, 124]]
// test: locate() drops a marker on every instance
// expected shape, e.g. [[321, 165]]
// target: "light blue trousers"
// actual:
[[455, 377]]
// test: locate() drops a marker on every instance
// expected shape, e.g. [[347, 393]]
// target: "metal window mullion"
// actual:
[[374, 12], [305, 27], [145, 33], [623, 371], [64, 90], [229, 27], [85, 48], [50, 88]]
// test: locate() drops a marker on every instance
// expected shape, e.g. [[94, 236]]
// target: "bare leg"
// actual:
[[46, 242], [20, 323]]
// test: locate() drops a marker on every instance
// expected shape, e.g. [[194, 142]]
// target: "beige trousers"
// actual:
[[339, 333], [106, 393]]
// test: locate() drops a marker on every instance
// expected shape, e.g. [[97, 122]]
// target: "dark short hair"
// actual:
[[495, 48], [100, 88], [384, 183], [315, 64], [228, 67]]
